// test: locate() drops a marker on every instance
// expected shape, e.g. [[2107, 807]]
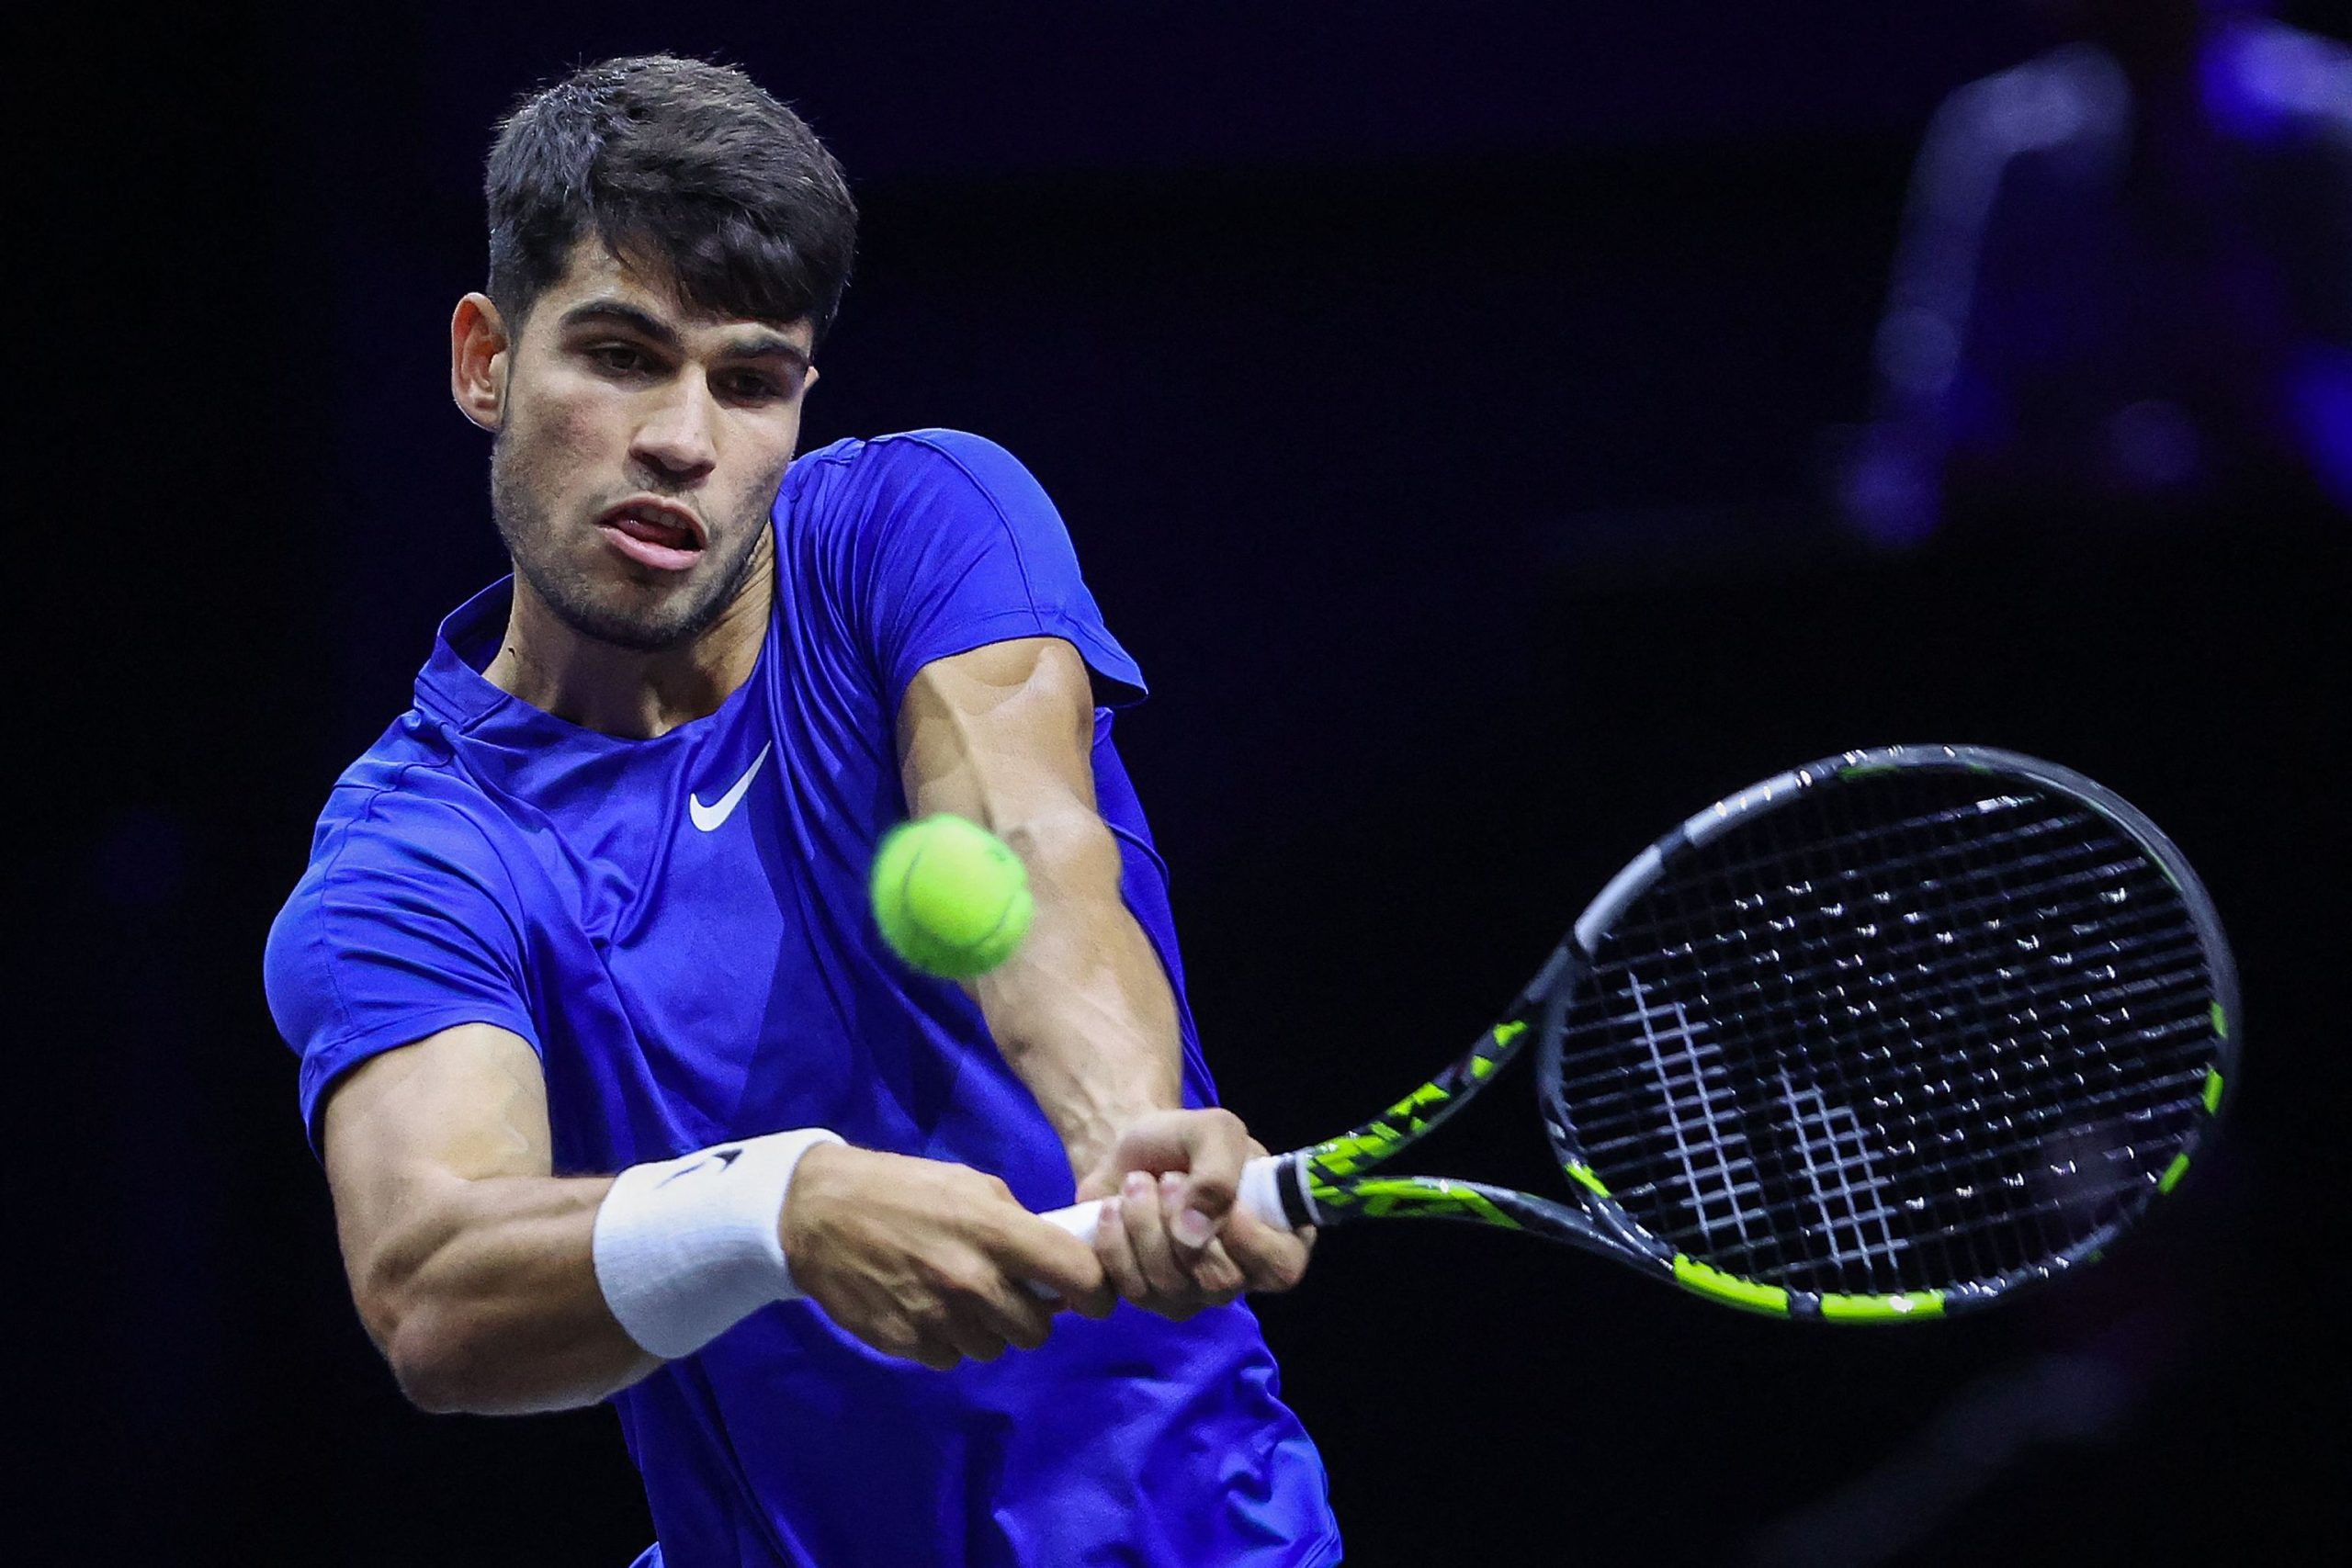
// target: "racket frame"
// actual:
[[1336, 1182]]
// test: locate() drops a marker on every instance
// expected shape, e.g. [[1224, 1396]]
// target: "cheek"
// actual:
[[761, 455], [579, 428], [558, 441]]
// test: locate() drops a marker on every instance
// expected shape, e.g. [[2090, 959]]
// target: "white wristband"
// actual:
[[686, 1248]]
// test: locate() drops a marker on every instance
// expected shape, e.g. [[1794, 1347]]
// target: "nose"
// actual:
[[676, 437]]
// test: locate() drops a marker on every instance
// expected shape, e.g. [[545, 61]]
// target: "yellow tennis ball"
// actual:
[[951, 898]]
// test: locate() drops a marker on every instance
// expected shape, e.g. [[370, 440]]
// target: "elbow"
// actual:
[[435, 1364], [419, 1341], [456, 1359], [459, 1350], [432, 1340], [434, 1351], [1067, 846]]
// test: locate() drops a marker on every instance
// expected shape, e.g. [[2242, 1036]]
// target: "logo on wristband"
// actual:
[[724, 1156]]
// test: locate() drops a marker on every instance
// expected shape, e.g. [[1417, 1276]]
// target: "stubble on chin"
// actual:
[[597, 605]]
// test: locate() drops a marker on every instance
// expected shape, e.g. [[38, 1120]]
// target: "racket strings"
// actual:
[[2154, 1096], [2171, 981], [1899, 1035], [2080, 867], [1981, 858], [1840, 854], [1962, 998], [2155, 973], [2021, 1191]]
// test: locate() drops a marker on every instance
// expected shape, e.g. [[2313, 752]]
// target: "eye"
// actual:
[[620, 358], [753, 389]]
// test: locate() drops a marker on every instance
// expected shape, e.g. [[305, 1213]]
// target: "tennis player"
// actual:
[[617, 1090]]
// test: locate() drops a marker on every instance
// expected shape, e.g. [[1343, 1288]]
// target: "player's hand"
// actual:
[[1172, 1239], [928, 1260]]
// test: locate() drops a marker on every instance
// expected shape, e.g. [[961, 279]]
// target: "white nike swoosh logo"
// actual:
[[709, 817]]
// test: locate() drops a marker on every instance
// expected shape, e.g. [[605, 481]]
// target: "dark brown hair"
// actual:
[[678, 163]]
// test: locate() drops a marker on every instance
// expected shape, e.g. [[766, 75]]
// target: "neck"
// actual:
[[623, 692]]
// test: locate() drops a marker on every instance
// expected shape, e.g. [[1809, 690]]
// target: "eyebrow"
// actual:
[[759, 345]]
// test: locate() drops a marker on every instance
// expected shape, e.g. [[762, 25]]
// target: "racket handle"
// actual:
[[1079, 1219], [1258, 1194]]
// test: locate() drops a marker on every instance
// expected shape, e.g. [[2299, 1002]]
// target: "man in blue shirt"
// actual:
[[619, 1091]]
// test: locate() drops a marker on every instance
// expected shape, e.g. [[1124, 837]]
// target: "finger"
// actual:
[[1117, 1255], [1013, 1312], [1028, 1248], [1215, 1278], [954, 1319], [1186, 1234], [1189, 1251], [1215, 1146], [1215, 1273], [937, 1350], [1102, 1181], [1148, 1233], [900, 1337], [971, 1329], [1208, 1146], [1027, 1323], [1269, 1258]]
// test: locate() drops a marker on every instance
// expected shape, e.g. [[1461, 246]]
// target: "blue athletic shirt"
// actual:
[[689, 973]]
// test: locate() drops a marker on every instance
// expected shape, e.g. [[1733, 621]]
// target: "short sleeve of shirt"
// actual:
[[956, 545], [400, 929]]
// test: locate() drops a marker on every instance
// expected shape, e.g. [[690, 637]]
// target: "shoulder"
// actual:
[[906, 451], [921, 507], [929, 543], [878, 477], [406, 921], [404, 818], [956, 454], [403, 873]]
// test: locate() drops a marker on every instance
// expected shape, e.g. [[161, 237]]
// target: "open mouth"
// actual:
[[666, 538]]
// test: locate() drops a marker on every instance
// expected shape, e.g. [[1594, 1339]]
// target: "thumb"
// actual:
[[1217, 1145], [1102, 1181]]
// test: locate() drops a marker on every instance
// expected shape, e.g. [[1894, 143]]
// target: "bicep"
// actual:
[[406, 1126]]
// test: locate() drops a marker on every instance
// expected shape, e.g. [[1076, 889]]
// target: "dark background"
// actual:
[[1440, 398]]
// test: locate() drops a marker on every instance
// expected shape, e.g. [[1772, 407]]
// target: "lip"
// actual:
[[660, 511], [648, 552]]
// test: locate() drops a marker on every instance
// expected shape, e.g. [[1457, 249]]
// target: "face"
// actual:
[[637, 450]]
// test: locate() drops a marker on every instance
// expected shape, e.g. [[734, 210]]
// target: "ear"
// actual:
[[477, 355]]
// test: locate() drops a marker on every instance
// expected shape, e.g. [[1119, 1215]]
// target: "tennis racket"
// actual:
[[1886, 1037]]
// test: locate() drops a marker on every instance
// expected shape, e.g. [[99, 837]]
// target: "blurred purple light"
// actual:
[[2320, 393], [2260, 83]]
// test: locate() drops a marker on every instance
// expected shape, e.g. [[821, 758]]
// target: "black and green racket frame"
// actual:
[[1341, 1181]]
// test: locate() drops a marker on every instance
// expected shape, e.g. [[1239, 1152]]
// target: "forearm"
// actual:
[[487, 1299], [1083, 1012], [1003, 734]]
